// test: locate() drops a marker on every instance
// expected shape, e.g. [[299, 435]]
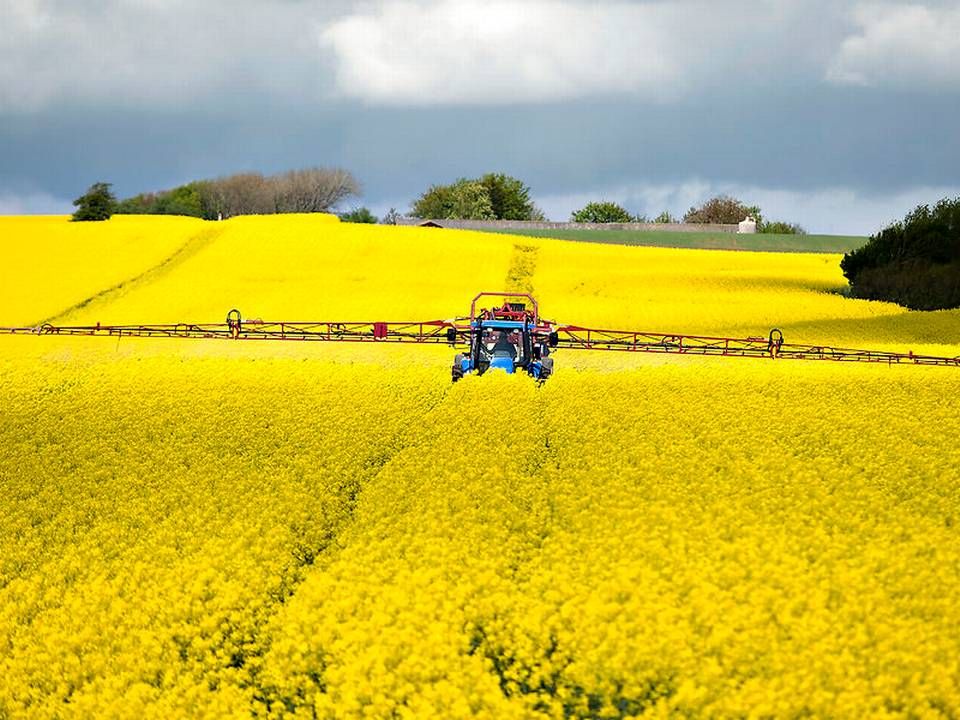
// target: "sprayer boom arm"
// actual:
[[459, 331]]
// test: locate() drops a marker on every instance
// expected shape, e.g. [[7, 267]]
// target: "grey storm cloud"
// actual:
[[801, 103], [155, 53]]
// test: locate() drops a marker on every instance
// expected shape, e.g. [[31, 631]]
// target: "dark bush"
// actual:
[[601, 212], [142, 204], [359, 215], [779, 227], [724, 210], [183, 200], [97, 203], [914, 262]]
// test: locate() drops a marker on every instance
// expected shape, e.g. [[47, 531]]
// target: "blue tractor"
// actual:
[[507, 338]]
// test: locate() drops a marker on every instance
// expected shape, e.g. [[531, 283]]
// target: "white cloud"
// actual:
[[471, 51], [838, 211], [423, 52], [33, 204], [901, 46]]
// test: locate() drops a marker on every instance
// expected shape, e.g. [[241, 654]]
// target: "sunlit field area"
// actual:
[[217, 528]]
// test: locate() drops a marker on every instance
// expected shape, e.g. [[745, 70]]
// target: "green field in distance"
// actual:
[[707, 240]]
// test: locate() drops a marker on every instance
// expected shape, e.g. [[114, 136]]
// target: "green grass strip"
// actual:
[[704, 240]]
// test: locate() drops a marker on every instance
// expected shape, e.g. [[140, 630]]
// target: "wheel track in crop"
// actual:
[[318, 557], [523, 264], [538, 455], [190, 248]]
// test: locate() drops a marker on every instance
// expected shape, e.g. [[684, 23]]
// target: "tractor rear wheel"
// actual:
[[546, 368], [456, 372]]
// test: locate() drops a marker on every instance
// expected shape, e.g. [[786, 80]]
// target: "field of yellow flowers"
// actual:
[[224, 529]]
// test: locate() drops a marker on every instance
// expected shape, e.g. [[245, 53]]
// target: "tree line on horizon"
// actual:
[[250, 193], [719, 210], [496, 196], [493, 196]]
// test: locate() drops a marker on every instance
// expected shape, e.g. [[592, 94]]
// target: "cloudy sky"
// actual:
[[837, 115]]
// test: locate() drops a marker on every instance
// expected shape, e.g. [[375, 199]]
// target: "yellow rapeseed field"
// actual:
[[223, 529], [50, 265]]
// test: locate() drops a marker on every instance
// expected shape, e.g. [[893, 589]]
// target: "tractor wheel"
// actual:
[[456, 371], [546, 368]]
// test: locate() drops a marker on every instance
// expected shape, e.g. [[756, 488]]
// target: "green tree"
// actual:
[[462, 200], [914, 262], [98, 203], [359, 215], [471, 201], [664, 218], [601, 212], [142, 204], [722, 209], [183, 200], [510, 198], [495, 196], [436, 202]]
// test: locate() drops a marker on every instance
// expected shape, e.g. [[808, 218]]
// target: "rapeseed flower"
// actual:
[[220, 529]]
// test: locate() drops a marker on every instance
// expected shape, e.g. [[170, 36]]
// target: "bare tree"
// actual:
[[240, 194], [312, 189], [297, 191]]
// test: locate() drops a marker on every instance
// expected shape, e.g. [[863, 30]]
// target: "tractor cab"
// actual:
[[501, 345], [505, 338]]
